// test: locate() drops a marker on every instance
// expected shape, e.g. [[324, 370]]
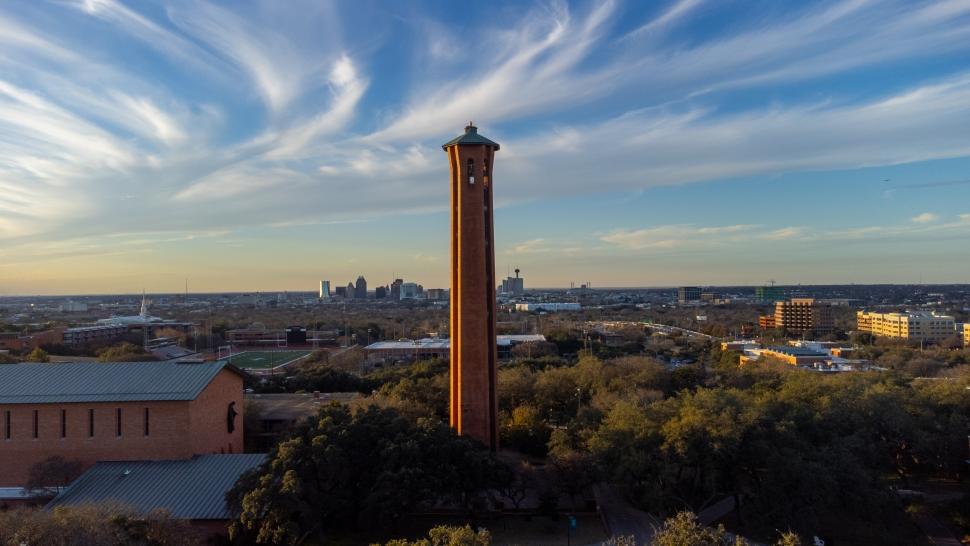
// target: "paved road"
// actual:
[[621, 519]]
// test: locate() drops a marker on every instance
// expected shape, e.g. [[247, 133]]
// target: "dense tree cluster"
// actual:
[[683, 529], [821, 453], [124, 352], [347, 471], [101, 525], [448, 536]]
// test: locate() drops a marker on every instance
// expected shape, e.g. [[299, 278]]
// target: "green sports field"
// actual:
[[263, 360]]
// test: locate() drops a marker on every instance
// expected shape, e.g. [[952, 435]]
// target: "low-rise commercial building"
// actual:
[[94, 335], [738, 345], [548, 306], [291, 336], [275, 413], [427, 348], [795, 355], [919, 326], [816, 356]]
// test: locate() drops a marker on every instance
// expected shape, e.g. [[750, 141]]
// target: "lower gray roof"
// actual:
[[34, 383], [188, 489]]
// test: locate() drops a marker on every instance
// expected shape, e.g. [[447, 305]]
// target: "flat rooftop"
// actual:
[[796, 351], [445, 343]]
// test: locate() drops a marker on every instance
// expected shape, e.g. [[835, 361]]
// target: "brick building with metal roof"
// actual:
[[131, 411]]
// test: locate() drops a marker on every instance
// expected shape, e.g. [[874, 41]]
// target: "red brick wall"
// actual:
[[208, 412], [473, 404], [177, 430]]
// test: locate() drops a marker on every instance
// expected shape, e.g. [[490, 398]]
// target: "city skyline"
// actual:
[[688, 142]]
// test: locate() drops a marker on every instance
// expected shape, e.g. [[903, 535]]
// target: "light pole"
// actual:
[[579, 400]]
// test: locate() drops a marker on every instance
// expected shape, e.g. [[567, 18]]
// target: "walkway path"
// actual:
[[621, 519]]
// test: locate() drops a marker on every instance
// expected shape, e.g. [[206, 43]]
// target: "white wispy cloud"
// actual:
[[676, 11], [925, 218], [273, 114], [532, 68], [673, 236], [532, 246], [687, 237], [646, 148], [151, 33], [280, 68], [785, 233], [347, 88]]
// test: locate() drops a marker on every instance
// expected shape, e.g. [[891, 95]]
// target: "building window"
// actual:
[[63, 423], [6, 424], [118, 422], [146, 422], [471, 171], [36, 424], [90, 423]]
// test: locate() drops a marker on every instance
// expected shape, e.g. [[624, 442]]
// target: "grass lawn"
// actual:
[[262, 360]]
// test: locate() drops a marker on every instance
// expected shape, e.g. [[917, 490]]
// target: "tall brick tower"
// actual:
[[473, 400]]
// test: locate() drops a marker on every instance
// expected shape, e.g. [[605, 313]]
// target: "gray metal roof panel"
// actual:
[[34, 383], [470, 138], [188, 489]]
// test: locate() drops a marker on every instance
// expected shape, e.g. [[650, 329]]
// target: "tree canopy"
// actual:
[[348, 470]]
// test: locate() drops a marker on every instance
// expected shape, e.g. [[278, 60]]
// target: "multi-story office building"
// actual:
[[768, 294], [410, 291], [909, 326], [360, 290], [966, 335], [804, 316], [324, 290], [766, 322], [396, 289], [380, 292], [340, 291], [513, 286], [437, 294], [688, 294]]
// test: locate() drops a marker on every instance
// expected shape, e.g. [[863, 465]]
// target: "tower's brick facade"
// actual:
[[473, 350]]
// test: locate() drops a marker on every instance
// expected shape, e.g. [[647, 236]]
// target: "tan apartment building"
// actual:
[[907, 326], [804, 316], [966, 335]]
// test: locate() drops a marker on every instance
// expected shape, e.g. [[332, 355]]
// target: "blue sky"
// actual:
[[265, 145]]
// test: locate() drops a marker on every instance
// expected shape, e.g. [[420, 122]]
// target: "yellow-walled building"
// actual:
[[908, 326]]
